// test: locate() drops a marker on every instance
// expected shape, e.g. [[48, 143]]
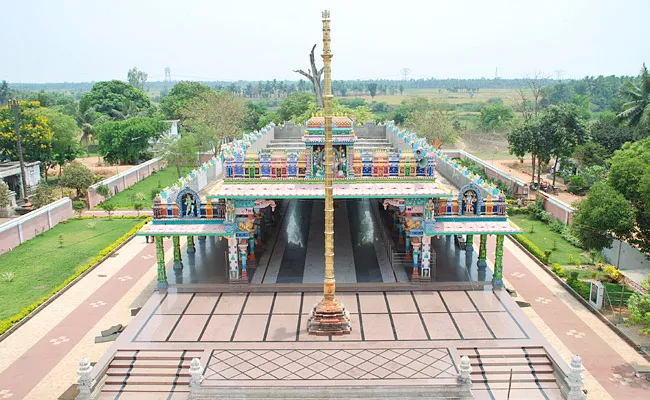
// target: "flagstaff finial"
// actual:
[[326, 14]]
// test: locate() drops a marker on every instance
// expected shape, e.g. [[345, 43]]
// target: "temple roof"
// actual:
[[387, 189], [339, 122]]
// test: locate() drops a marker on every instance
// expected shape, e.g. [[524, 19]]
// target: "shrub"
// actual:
[[578, 184], [556, 226], [108, 207], [103, 191], [154, 193], [138, 206], [4, 194], [613, 273], [537, 211], [532, 248], [78, 207], [558, 270], [44, 194], [580, 287]]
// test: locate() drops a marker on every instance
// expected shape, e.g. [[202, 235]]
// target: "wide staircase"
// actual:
[[515, 367], [135, 374]]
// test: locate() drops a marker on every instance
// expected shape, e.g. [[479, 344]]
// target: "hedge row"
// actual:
[[532, 248], [5, 324]]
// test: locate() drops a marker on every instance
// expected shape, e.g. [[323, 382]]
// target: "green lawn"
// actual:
[[160, 180], [40, 264], [546, 240]]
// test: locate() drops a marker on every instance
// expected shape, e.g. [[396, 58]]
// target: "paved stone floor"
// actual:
[[402, 338]]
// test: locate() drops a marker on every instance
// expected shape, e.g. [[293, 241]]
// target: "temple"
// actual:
[[393, 169], [330, 260]]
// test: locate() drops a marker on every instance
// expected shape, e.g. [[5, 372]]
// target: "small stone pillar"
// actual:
[[196, 373], [86, 382], [416, 259], [574, 380], [243, 250], [497, 276], [426, 258], [469, 243], [233, 259], [464, 371], [190, 245], [482, 252], [162, 270], [178, 262]]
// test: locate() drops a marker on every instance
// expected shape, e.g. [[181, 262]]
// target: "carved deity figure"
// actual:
[[247, 226], [429, 209], [189, 205], [469, 201], [318, 162], [230, 211]]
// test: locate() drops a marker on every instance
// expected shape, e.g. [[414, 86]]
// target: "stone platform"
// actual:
[[404, 344]]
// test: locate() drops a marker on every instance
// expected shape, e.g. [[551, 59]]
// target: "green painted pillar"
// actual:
[[497, 277], [178, 262], [190, 245], [482, 252], [160, 256], [469, 242]]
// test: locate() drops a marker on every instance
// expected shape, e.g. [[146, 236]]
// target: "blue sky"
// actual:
[[75, 40]]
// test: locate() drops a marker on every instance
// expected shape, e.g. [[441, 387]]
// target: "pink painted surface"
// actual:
[[385, 189], [33, 224], [128, 179]]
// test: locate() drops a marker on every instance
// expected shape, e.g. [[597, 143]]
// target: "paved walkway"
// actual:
[[39, 360], [606, 356]]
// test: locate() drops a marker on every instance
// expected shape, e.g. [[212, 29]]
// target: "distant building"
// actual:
[[10, 174]]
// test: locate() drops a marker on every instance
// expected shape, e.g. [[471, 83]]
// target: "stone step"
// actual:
[[501, 378], [169, 372], [516, 369], [151, 363], [160, 388], [156, 355], [147, 380], [517, 385], [536, 361]]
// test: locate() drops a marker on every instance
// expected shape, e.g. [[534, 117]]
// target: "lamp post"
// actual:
[[16, 109], [329, 316]]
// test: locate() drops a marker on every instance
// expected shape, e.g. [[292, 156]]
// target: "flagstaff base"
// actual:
[[329, 317]]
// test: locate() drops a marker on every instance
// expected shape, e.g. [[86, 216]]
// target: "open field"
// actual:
[[42, 263], [509, 96], [161, 179]]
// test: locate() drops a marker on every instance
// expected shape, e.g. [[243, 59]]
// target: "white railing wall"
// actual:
[[123, 180], [21, 229]]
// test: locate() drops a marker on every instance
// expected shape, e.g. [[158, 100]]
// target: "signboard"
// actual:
[[418, 232], [242, 235], [415, 209], [244, 210]]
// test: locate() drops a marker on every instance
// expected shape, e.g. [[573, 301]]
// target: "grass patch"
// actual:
[[41, 264], [562, 252], [158, 181]]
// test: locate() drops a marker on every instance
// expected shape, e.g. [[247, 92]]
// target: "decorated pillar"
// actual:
[[251, 253], [400, 229], [233, 259], [482, 252], [160, 256], [243, 251], [426, 257], [190, 245], [416, 255], [178, 262], [497, 276], [469, 242]]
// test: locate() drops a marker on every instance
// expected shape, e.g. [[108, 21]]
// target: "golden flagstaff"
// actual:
[[329, 316]]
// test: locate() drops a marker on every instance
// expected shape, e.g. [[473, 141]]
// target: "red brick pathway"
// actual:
[[25, 373], [600, 359]]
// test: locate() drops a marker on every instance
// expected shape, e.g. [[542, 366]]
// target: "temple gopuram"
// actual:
[[330, 260]]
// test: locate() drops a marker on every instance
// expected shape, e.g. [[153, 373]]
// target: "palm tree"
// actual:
[[637, 109], [87, 132]]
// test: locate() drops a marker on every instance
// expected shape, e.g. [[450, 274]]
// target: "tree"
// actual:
[[77, 176], [64, 139], [534, 84], [522, 140], [372, 88], [639, 307], [630, 175], [43, 194], [314, 75], [604, 212], [432, 124], [138, 206], [178, 98], [4, 195], [116, 100], [562, 129], [35, 133], [609, 133], [127, 142], [637, 108], [590, 154], [296, 104], [179, 152], [4, 93], [79, 207], [136, 78], [496, 117], [108, 207], [216, 117]]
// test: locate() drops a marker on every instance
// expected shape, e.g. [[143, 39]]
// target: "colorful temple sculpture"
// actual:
[[278, 163]]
